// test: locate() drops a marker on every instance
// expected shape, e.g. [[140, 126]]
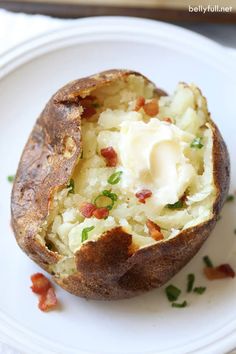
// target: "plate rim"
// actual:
[[30, 46]]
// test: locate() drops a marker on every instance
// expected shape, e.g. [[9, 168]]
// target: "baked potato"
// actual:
[[119, 184]]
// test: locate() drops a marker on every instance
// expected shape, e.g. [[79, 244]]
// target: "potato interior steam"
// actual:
[[172, 160]]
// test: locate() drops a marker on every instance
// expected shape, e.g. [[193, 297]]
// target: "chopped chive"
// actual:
[[85, 232], [176, 205], [191, 279], [82, 154], [11, 178], [235, 231], [179, 305], [172, 292], [71, 186], [199, 290], [230, 198], [112, 196], [115, 177], [196, 143], [207, 261]]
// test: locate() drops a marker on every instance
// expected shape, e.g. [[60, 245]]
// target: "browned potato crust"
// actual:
[[109, 268]]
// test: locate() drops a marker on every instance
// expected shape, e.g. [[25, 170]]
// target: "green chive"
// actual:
[[179, 305], [172, 292], [115, 177], [235, 231], [199, 290], [230, 198], [196, 143], [191, 279], [85, 232], [71, 186], [11, 178], [82, 155], [207, 261], [96, 105], [176, 205], [108, 194]]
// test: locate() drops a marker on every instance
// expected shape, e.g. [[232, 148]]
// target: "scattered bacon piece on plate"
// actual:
[[48, 300], [40, 284], [87, 209], [143, 195], [43, 287], [220, 272], [154, 230], [151, 108], [110, 155], [140, 102], [101, 213]]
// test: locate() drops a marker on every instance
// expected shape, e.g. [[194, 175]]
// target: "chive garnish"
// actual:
[[176, 205], [207, 261], [115, 177], [71, 186], [191, 279], [179, 305], [172, 292], [196, 143], [235, 231], [199, 290], [95, 105], [11, 178], [112, 196], [230, 198], [85, 232]]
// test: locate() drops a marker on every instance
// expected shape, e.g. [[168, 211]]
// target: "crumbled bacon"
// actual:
[[48, 300], [154, 230], [40, 284], [168, 120], [220, 272], [101, 213], [140, 102], [43, 287], [87, 104], [143, 195], [151, 108], [110, 155], [87, 209]]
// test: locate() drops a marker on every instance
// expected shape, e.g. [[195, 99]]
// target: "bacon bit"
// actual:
[[101, 213], [154, 230], [87, 104], [40, 283], [151, 108], [110, 155], [87, 209], [48, 300], [168, 120], [220, 272], [143, 195], [140, 102]]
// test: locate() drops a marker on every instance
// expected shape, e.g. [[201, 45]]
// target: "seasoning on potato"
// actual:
[[119, 185]]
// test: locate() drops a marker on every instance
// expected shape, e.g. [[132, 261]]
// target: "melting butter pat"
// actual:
[[153, 155]]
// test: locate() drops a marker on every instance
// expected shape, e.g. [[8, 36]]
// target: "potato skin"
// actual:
[[109, 268]]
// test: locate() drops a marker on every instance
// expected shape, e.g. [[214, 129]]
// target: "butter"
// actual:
[[152, 156]]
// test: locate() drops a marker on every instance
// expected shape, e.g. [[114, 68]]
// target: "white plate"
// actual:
[[146, 324]]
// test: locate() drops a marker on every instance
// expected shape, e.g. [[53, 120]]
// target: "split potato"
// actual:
[[119, 184]]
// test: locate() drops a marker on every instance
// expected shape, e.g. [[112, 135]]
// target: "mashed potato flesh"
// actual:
[[152, 154]]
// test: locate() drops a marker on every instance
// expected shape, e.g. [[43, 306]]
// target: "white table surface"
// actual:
[[14, 28]]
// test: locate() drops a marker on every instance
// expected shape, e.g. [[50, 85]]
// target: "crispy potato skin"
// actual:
[[109, 268]]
